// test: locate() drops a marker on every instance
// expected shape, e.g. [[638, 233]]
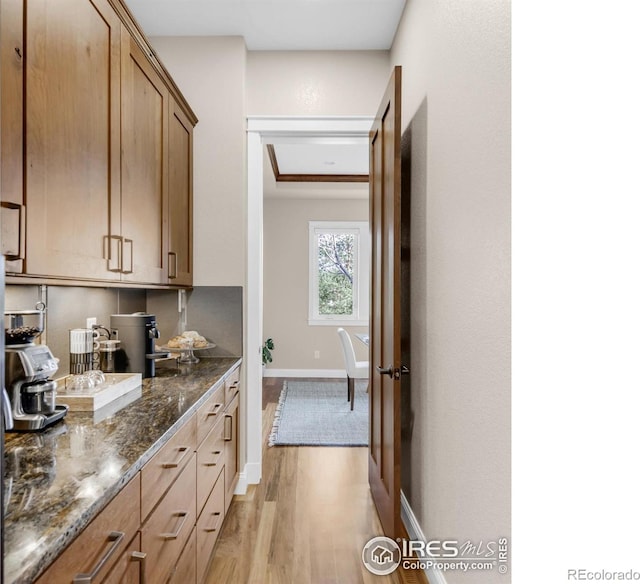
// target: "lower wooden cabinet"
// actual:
[[231, 449], [209, 525], [185, 570], [166, 465], [101, 545], [129, 568], [167, 530], [164, 524]]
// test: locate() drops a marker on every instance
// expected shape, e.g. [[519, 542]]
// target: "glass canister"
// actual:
[[108, 350]]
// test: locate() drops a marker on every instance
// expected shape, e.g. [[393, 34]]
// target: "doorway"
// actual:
[[273, 130]]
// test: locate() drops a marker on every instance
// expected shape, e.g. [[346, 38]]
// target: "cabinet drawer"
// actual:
[[129, 566], [210, 458], [185, 570], [208, 527], [102, 542], [160, 472], [210, 412], [165, 533], [232, 385]]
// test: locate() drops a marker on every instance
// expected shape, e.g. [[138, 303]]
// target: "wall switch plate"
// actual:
[[91, 321], [316, 355]]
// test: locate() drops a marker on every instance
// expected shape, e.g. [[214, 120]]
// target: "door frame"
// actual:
[[268, 130]]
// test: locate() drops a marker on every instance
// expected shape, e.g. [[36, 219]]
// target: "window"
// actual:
[[339, 273]]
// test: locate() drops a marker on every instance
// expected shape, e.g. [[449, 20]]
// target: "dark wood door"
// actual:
[[384, 356]]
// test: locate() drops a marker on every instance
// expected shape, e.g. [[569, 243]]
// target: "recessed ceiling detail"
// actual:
[[319, 162]]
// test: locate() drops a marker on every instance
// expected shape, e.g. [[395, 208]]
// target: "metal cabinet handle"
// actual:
[[215, 453], [210, 529], [142, 558], [173, 265], [128, 242], [108, 252], [184, 450], [228, 436], [115, 537], [385, 370], [174, 535], [215, 411], [19, 253]]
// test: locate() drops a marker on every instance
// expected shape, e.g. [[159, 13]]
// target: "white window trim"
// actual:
[[361, 282]]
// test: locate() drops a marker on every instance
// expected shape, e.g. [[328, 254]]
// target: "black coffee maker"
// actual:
[[137, 333]]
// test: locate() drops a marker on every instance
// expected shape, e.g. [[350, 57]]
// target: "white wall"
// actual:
[[456, 105], [210, 72], [286, 283], [315, 82]]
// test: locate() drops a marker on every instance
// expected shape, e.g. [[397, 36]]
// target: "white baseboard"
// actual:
[[414, 531], [339, 373], [241, 487], [253, 472], [250, 475]]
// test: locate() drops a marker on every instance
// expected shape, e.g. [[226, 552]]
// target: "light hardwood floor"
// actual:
[[306, 522]]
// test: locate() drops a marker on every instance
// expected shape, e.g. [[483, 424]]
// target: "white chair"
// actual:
[[355, 369]]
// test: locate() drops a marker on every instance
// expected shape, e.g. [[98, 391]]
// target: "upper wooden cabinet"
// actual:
[[72, 121], [144, 167], [106, 150], [12, 212], [180, 255]]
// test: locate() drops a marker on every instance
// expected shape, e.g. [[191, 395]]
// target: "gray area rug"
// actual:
[[317, 413]]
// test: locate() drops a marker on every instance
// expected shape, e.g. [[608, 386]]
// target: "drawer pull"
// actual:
[[173, 265], [228, 436], [215, 411], [211, 529], [142, 558], [215, 453], [174, 535], [115, 537], [184, 451]]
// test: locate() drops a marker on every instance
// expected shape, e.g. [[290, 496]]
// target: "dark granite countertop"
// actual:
[[57, 480]]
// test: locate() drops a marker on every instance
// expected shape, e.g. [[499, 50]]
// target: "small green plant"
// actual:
[[266, 351]]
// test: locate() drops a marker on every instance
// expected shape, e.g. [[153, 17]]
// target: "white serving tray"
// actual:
[[115, 386]]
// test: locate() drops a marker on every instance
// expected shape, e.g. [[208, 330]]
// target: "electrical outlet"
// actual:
[[316, 355], [91, 321]]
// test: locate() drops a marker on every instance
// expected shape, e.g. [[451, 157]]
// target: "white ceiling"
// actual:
[[287, 25], [277, 25]]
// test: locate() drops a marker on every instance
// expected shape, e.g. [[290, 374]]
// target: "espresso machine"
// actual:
[[137, 333], [28, 368]]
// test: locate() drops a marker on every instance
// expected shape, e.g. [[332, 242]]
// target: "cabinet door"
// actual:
[[180, 260], [145, 109], [72, 97], [167, 530], [209, 526], [231, 450], [185, 570], [12, 212]]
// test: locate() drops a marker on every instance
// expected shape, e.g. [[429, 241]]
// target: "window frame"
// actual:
[[360, 315]]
